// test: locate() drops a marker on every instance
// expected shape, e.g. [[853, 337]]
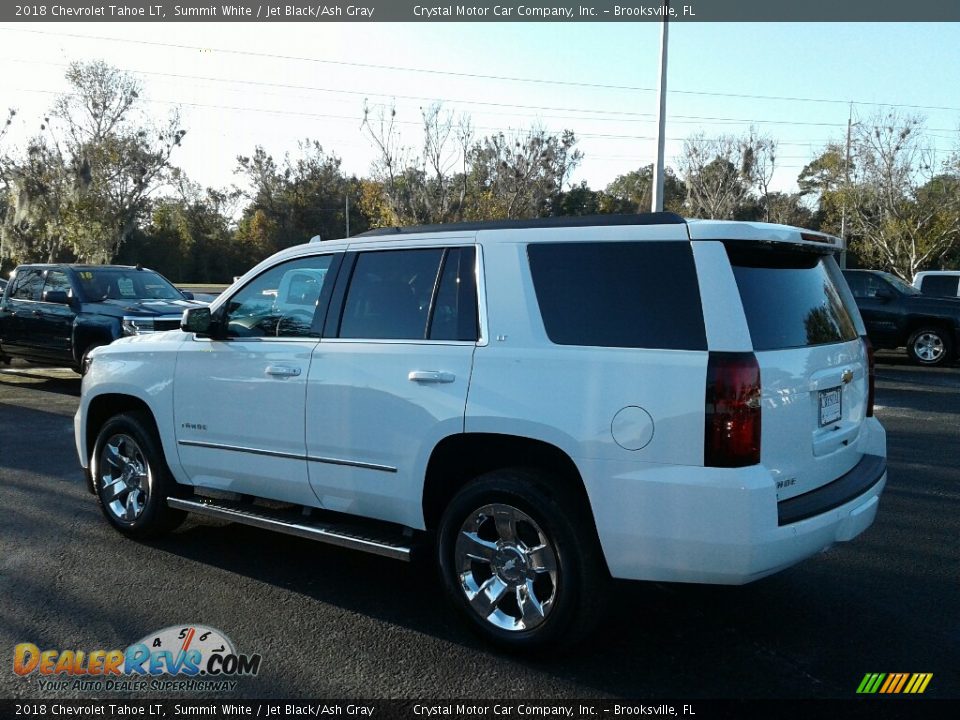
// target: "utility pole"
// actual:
[[346, 213], [658, 170], [846, 186]]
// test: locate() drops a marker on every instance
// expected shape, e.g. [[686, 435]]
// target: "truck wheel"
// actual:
[[930, 346], [520, 559], [131, 478]]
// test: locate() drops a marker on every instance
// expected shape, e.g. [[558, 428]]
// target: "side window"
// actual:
[[858, 284], [281, 302], [619, 294], [940, 285], [27, 285], [874, 285], [454, 313], [57, 280], [390, 294]]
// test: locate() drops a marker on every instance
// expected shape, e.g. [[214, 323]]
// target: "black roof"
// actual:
[[82, 266], [656, 218]]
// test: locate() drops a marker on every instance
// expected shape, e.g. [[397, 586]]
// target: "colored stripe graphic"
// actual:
[[894, 683]]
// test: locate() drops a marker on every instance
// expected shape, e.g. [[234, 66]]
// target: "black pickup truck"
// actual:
[[898, 315], [55, 314]]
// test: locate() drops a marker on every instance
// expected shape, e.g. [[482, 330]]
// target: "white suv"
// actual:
[[542, 404]]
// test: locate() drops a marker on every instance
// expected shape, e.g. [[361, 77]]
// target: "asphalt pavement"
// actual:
[[341, 624]]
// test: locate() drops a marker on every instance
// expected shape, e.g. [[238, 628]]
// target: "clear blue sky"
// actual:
[[233, 96]]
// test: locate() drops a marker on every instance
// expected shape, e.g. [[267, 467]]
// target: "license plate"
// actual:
[[829, 406]]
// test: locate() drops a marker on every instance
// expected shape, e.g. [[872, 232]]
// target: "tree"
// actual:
[[904, 211], [823, 182], [190, 237], [291, 202], [507, 175], [633, 192], [720, 173], [519, 175], [86, 180]]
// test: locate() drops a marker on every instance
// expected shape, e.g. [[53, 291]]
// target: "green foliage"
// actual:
[[289, 203], [904, 209], [84, 183], [633, 192]]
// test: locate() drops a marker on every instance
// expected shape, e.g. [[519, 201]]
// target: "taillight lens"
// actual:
[[732, 437], [871, 374]]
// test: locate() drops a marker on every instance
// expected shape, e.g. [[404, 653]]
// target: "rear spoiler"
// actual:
[[765, 235]]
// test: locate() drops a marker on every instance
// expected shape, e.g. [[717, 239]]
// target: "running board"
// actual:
[[353, 535]]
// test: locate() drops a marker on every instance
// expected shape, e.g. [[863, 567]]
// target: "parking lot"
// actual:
[[336, 623]]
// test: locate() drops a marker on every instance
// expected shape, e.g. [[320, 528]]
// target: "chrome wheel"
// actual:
[[928, 347], [507, 567], [124, 478]]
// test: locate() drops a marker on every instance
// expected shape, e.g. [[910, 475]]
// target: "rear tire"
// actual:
[[131, 479], [520, 559], [930, 346]]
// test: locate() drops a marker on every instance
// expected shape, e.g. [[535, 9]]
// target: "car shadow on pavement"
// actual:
[[655, 640], [28, 377]]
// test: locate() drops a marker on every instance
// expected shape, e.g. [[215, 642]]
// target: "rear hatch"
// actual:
[[814, 370]]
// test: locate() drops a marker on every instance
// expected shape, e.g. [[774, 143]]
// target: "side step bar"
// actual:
[[355, 536]]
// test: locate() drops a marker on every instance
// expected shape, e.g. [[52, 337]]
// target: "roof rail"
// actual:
[[654, 218]]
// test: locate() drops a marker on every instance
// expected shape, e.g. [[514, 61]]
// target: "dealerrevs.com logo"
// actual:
[[179, 658]]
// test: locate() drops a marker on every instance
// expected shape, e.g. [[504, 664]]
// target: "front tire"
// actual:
[[520, 559], [131, 479], [930, 346]]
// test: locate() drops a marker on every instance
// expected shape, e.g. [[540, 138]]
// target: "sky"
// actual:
[[239, 85]]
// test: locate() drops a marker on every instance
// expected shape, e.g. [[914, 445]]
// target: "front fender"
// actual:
[[91, 330], [141, 369]]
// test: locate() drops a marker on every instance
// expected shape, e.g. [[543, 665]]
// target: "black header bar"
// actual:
[[78, 11]]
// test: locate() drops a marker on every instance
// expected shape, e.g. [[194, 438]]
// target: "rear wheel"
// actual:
[[131, 478], [521, 561], [930, 346]]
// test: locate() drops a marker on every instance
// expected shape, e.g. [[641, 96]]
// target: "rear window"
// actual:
[[940, 285], [619, 294], [791, 299]]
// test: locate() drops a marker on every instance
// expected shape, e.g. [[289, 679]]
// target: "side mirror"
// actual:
[[61, 297], [187, 294], [196, 320]]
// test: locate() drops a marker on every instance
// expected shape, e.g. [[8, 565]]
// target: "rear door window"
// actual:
[[390, 294], [791, 299], [619, 294], [943, 285]]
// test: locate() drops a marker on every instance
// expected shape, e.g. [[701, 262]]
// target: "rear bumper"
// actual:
[[725, 526]]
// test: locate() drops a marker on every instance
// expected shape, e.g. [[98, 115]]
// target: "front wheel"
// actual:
[[519, 557], [930, 346], [131, 478]]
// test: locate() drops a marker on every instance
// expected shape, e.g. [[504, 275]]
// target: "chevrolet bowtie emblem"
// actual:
[[847, 376]]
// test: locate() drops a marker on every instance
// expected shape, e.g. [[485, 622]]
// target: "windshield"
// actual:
[[900, 284], [125, 284]]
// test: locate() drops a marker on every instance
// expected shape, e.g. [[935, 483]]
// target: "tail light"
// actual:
[[871, 374], [732, 437]]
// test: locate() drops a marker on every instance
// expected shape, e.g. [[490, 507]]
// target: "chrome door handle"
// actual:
[[282, 371], [431, 376]]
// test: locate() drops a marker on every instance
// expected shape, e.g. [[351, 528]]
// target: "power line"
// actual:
[[342, 118], [481, 76]]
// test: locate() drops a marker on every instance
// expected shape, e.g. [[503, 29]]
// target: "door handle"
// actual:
[[431, 376], [282, 371]]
